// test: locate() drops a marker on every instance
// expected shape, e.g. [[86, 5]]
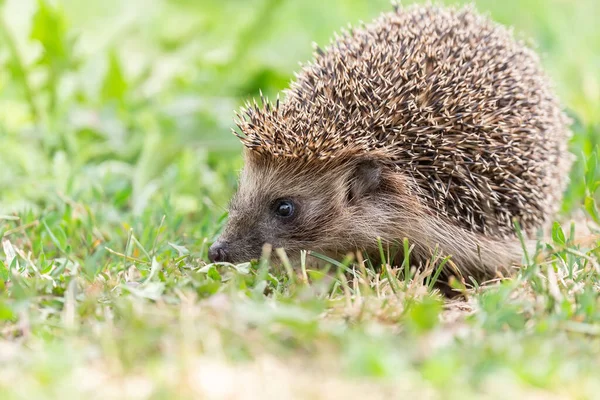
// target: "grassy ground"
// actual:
[[115, 168]]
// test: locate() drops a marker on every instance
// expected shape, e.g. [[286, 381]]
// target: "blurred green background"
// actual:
[[126, 106]]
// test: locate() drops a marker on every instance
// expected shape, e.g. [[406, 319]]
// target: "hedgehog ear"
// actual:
[[365, 179]]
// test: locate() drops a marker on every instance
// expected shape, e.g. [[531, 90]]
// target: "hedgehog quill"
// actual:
[[431, 123]]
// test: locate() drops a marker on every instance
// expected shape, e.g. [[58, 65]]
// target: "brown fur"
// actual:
[[331, 223]]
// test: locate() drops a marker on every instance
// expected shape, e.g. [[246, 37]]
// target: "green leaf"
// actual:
[[558, 236], [115, 84], [591, 168], [3, 274], [208, 288], [6, 314], [49, 28], [423, 316], [214, 274], [591, 208]]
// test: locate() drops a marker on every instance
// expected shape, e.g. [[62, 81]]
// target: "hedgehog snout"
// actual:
[[218, 252]]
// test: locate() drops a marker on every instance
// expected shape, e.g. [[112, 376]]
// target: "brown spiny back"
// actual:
[[452, 99]]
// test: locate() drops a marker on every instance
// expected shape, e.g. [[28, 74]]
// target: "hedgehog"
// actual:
[[431, 123]]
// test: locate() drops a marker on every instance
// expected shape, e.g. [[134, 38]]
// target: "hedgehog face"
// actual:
[[299, 205]]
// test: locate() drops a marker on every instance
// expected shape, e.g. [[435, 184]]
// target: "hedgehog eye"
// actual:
[[284, 208]]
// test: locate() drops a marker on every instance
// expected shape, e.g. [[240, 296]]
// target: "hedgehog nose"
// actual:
[[218, 253]]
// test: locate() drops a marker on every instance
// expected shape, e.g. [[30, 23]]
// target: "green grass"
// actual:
[[116, 165]]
